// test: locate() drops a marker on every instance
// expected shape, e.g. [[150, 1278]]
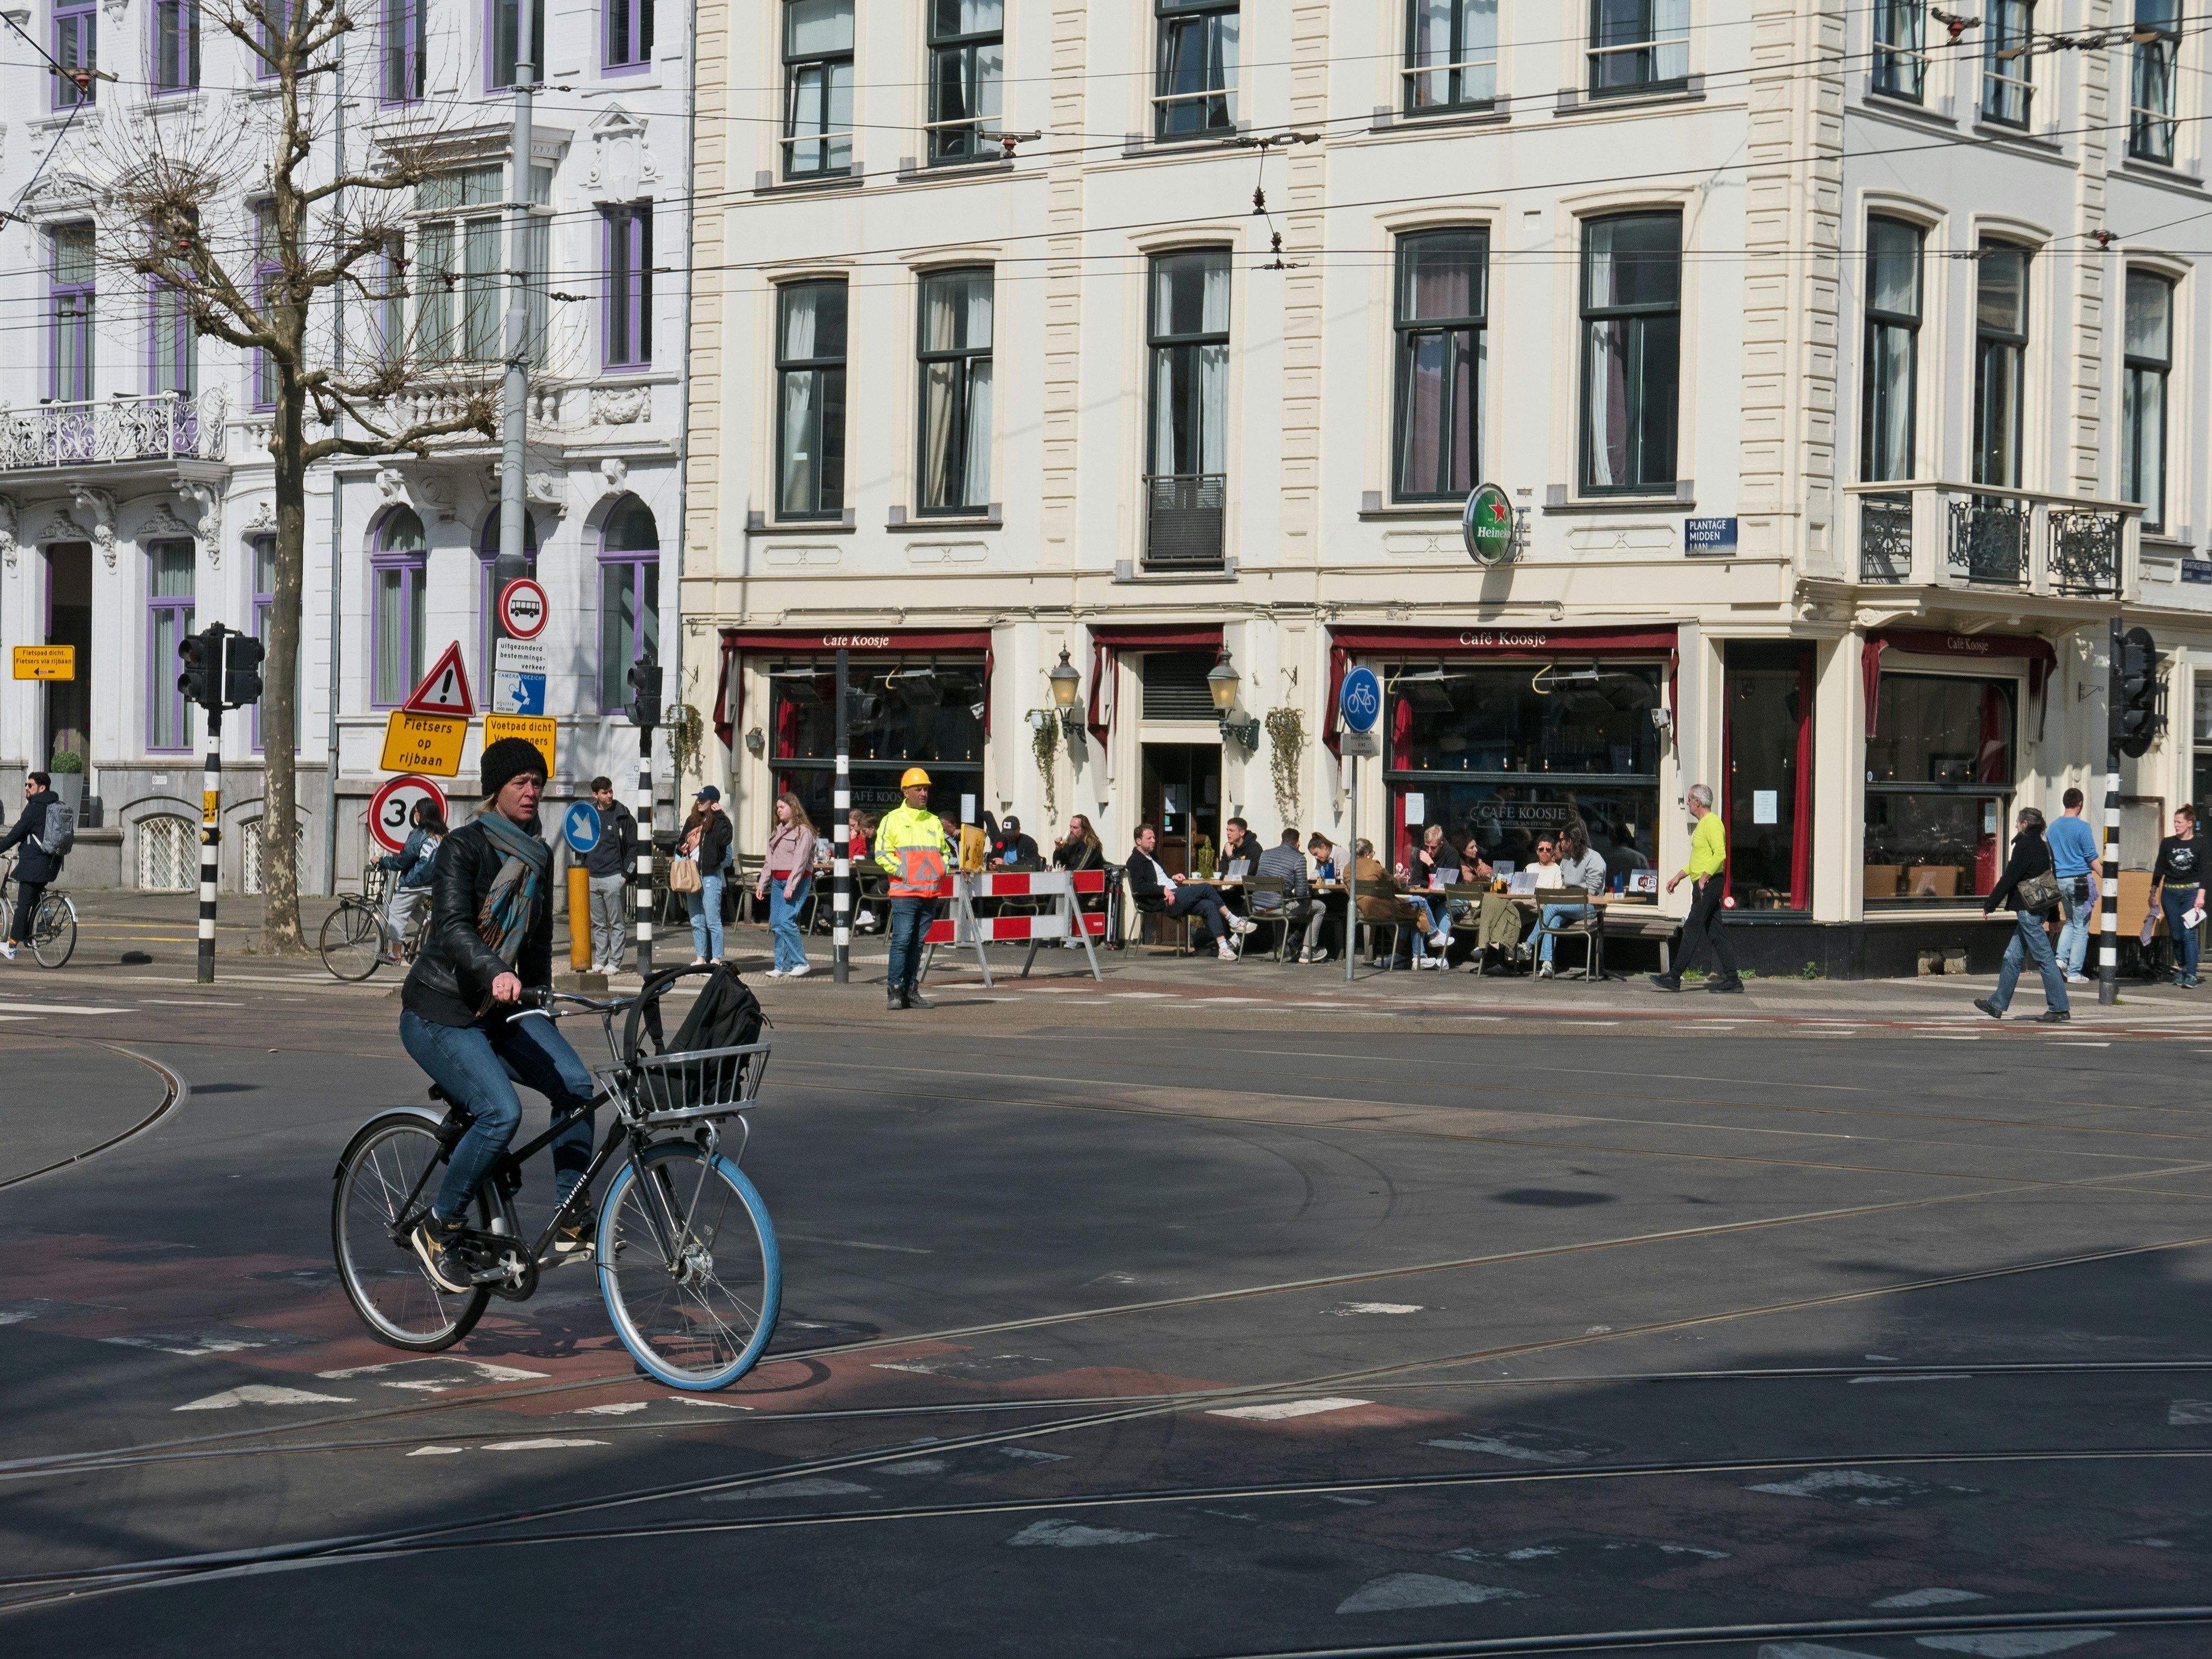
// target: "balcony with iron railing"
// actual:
[[94, 432], [1977, 536], [1185, 520]]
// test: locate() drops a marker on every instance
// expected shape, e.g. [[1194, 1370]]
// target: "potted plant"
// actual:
[[67, 770]]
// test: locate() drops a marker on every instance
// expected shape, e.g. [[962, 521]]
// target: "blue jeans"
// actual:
[[910, 919], [2185, 946], [478, 1065], [783, 921], [2081, 917], [2028, 939], [705, 909], [1548, 919]]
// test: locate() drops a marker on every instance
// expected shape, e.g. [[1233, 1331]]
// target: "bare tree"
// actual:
[[235, 204]]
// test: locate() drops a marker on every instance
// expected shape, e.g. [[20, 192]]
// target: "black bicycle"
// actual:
[[686, 1254], [53, 924]]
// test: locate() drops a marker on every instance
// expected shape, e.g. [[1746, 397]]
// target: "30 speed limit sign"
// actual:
[[392, 805], [522, 609]]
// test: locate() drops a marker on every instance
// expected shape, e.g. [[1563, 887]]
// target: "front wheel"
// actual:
[[386, 1181], [352, 941], [53, 931], [688, 1265]]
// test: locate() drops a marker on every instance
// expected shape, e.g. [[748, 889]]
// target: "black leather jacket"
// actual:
[[34, 863], [451, 981]]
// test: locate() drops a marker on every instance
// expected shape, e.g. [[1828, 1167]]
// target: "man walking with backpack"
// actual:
[[44, 832]]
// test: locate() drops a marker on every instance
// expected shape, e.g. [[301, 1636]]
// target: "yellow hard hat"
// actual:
[[915, 775]]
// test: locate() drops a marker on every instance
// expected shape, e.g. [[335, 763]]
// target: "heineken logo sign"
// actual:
[[1488, 525]]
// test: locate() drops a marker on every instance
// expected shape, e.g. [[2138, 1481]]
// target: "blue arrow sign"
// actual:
[[580, 825], [1359, 704]]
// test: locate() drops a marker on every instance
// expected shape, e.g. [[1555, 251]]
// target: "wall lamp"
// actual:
[[1066, 682], [1222, 682]]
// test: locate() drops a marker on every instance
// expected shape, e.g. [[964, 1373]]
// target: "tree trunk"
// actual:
[[281, 933]]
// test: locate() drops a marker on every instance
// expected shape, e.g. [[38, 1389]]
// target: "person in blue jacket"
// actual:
[[410, 893]]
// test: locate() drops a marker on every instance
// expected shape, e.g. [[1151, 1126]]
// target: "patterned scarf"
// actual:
[[511, 908]]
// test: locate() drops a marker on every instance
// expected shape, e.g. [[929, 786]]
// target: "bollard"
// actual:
[[579, 918]]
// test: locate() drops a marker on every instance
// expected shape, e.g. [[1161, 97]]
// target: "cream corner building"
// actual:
[[1844, 385]]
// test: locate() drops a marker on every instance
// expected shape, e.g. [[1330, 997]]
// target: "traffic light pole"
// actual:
[[840, 808], [642, 877], [2108, 896], [210, 834]]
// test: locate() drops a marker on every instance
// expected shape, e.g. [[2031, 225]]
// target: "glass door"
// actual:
[[1769, 806], [1182, 799]]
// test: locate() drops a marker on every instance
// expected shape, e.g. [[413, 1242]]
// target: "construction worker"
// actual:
[[913, 849]]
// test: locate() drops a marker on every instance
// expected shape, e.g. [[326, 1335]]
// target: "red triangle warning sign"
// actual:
[[445, 688]]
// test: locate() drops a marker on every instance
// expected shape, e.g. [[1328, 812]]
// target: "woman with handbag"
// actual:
[[2030, 884], [697, 873]]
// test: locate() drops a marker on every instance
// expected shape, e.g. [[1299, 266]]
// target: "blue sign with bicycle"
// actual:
[[580, 826], [1359, 703]]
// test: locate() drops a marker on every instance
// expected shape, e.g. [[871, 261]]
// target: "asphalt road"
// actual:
[[1146, 1328]]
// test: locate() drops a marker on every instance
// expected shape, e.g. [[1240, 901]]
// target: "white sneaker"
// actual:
[[1243, 925], [1543, 970], [1428, 962], [774, 973], [8, 948], [800, 972], [1228, 952], [2077, 979]]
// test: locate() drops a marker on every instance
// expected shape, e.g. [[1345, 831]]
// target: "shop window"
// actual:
[[1451, 56], [1999, 361], [966, 64], [818, 88], [1893, 348], [1631, 352], [1196, 94], [1939, 788], [1900, 48], [1439, 318], [906, 711], [955, 361], [2148, 359], [1768, 760], [810, 400], [2008, 61], [1503, 752], [2157, 43], [1638, 45]]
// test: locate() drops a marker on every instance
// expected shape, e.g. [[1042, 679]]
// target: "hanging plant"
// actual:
[[685, 730], [1286, 739], [1044, 744]]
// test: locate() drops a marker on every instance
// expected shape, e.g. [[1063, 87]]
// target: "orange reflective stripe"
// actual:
[[920, 872]]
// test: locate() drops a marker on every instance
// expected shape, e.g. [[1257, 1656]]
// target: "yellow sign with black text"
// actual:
[[429, 743], [537, 729], [45, 662]]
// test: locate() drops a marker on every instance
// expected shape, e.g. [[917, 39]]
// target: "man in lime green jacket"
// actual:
[[1708, 859]]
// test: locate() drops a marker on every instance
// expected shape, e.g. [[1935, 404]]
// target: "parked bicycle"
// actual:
[[686, 1253], [53, 924], [356, 940]]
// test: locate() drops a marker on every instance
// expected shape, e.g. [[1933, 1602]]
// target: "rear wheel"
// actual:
[[53, 931], [385, 1181], [688, 1265], [352, 940]]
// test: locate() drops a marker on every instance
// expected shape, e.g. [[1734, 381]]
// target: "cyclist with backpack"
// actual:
[[44, 831]]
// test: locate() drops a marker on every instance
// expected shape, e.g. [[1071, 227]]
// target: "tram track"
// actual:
[[175, 1092]]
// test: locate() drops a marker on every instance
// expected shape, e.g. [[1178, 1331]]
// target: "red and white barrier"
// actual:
[[1064, 920]]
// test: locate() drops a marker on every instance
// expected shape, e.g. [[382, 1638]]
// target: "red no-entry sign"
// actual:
[[522, 609]]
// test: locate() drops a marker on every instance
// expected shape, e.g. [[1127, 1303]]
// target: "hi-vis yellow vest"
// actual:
[[910, 846]]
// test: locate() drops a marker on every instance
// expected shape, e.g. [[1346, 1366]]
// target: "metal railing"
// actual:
[[1186, 520], [2085, 550], [1885, 538], [1988, 540], [1933, 534], [91, 431]]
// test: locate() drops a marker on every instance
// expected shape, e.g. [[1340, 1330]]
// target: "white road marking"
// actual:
[[1399, 1592], [1025, 1455], [855, 1244], [913, 1466], [1821, 1482], [2184, 1413], [719, 1405], [817, 1487], [1924, 1376], [618, 1408], [62, 1008], [1807, 1651], [1071, 1536], [1348, 1308], [541, 1443], [260, 1393], [1284, 1409], [2082, 1045], [1930, 1598], [194, 1002], [1506, 1449], [436, 1451], [484, 1369], [2015, 1644]]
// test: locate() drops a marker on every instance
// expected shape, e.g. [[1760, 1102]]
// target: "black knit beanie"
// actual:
[[507, 760]]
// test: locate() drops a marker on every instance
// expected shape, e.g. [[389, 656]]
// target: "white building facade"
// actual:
[[1847, 381], [136, 499]]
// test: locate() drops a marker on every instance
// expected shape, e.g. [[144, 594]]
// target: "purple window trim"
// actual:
[[81, 323], [626, 320], [263, 69], [163, 666], [408, 51], [169, 360], [412, 566], [188, 47], [636, 17], [638, 564], [75, 21], [263, 389], [494, 43]]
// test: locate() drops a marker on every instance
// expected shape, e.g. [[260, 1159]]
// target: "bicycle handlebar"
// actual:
[[541, 1000]]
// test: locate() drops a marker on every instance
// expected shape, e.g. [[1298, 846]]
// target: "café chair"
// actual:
[[1277, 917], [1401, 916], [1589, 927]]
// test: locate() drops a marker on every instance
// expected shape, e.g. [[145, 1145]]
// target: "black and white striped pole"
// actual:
[[2108, 896], [210, 836], [644, 710], [841, 809]]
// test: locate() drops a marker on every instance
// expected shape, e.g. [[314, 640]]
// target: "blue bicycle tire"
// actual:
[[614, 1247]]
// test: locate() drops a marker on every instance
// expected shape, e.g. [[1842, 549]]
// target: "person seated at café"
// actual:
[[1015, 850], [1297, 904], [1566, 859], [1322, 851], [1238, 844], [1080, 849], [1159, 894], [1436, 860], [1412, 920]]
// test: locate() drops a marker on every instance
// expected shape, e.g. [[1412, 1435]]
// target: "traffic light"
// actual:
[[199, 653], [242, 670], [2139, 696], [645, 693]]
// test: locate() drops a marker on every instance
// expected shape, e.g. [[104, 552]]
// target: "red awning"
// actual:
[[2042, 656], [1161, 636], [1536, 641], [729, 689]]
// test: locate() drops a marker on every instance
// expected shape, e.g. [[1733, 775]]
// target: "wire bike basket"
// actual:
[[701, 1083]]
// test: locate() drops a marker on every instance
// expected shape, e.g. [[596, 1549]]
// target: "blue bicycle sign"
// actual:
[[1359, 704]]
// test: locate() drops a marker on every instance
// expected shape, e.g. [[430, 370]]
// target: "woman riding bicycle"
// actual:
[[491, 938]]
